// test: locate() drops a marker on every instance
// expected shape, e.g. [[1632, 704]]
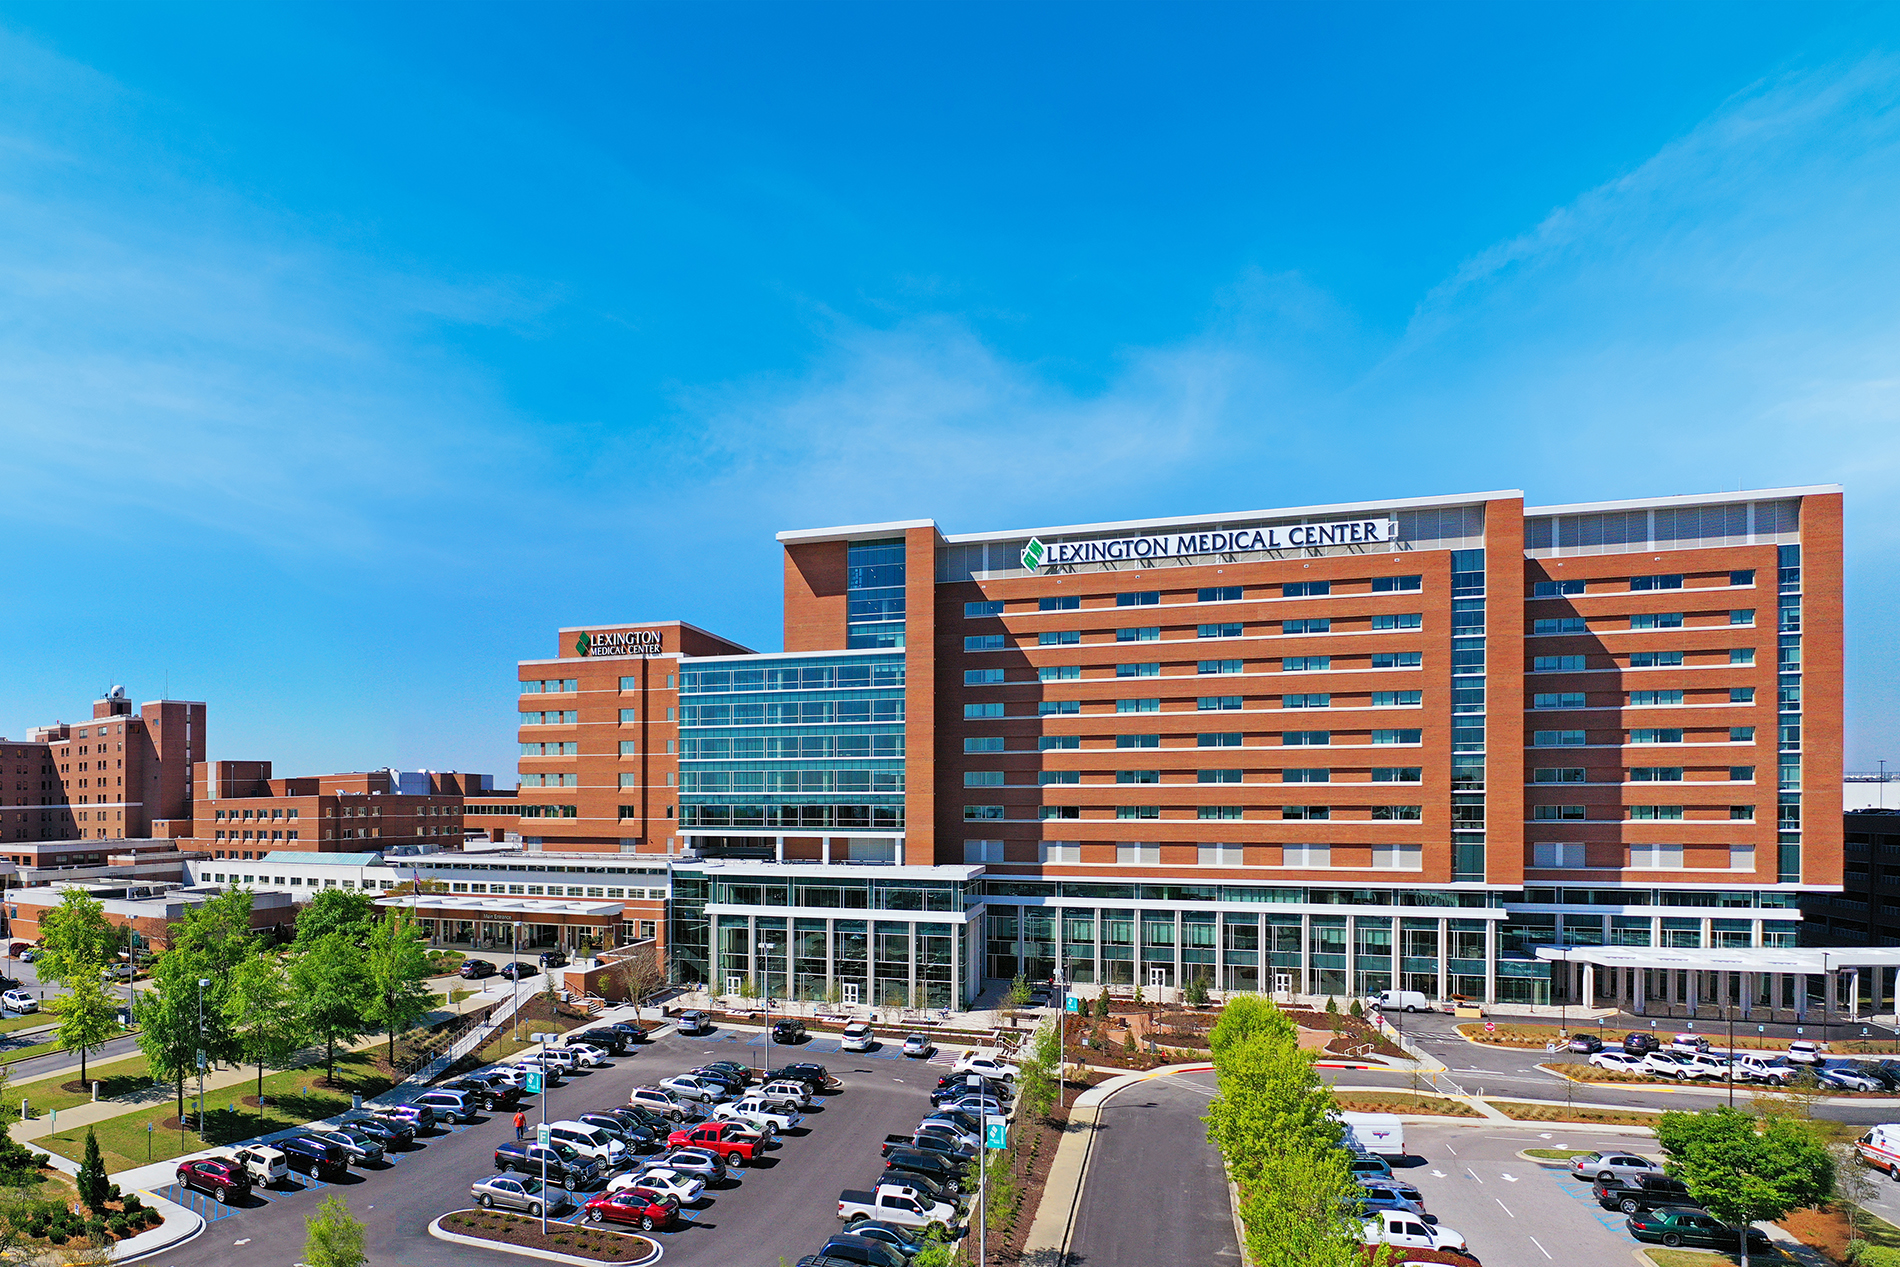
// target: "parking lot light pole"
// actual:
[[514, 979], [766, 996], [202, 983]]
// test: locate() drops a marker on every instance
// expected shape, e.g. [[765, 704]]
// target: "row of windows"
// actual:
[[551, 686], [878, 673], [1636, 774], [1637, 584], [1646, 620], [1215, 739], [1206, 594], [790, 747], [1377, 857], [1152, 668], [805, 713], [276, 835], [556, 717], [791, 782], [1316, 774], [1203, 813], [1202, 704], [1637, 660], [1634, 699], [1631, 813], [568, 749], [1665, 734], [1223, 629], [1573, 856]]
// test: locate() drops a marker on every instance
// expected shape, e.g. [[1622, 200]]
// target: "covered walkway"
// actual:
[[1807, 984]]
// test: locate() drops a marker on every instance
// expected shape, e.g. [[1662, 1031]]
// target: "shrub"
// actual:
[[132, 1203], [1357, 1010]]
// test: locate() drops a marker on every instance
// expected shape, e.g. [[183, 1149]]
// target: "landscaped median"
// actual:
[[561, 1243]]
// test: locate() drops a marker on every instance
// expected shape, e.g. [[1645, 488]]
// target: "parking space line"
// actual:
[[1540, 1248]]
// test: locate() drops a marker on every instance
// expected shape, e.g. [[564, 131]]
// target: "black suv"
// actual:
[[1637, 1043], [564, 1166], [788, 1031], [314, 1156], [1642, 1192], [812, 1074], [553, 959], [488, 1095]]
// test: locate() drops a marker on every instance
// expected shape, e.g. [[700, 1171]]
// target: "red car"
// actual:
[[728, 1139], [642, 1207], [222, 1179]]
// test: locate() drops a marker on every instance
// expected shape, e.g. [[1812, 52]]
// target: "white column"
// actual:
[[1853, 996], [1639, 978], [1800, 996], [1748, 993], [900, 851], [778, 848], [1589, 985], [1444, 958], [825, 844]]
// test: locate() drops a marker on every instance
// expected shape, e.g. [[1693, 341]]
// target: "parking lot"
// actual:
[[784, 1206]]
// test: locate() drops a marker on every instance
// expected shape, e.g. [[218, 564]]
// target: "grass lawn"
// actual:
[[1705, 1258], [27, 1022], [1560, 1113], [27, 1053], [122, 1077], [1555, 1154], [292, 1099], [1402, 1102]]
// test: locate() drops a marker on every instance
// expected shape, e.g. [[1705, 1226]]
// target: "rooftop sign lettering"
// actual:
[[623, 642], [1181, 545]]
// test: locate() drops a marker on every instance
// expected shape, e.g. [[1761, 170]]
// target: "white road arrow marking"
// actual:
[[245, 1241], [1438, 1174], [1508, 1178]]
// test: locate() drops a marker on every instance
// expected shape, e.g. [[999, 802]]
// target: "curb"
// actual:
[[476, 1242], [129, 1251]]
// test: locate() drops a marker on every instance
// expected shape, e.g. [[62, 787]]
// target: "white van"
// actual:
[[858, 1036], [1402, 1001], [1378, 1134]]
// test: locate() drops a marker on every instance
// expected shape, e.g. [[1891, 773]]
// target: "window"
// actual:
[[1137, 705], [1398, 774], [1396, 584], [1311, 625], [1229, 630], [982, 677], [1137, 741], [976, 851], [1306, 664], [1059, 707], [1218, 812], [1049, 743], [1558, 855], [1306, 856], [1741, 695], [1557, 664], [1228, 739], [982, 778], [972, 711], [1306, 776], [1397, 659], [974, 813], [1741, 774], [1742, 616], [1217, 776], [1060, 603], [1144, 633], [1564, 625], [1739, 734], [1743, 576], [1053, 778], [1558, 699], [1657, 620], [1057, 673], [1741, 813], [1139, 598], [1307, 813], [1050, 812], [1655, 659], [984, 642], [1397, 736], [1306, 589], [1218, 594], [629, 747], [1555, 589], [983, 743], [1655, 699], [1221, 855], [1137, 811], [1306, 738], [1137, 776], [1655, 774], [1655, 813], [1396, 699], [1226, 703], [1137, 854], [1397, 813], [1219, 666], [1061, 851], [1656, 736], [1138, 670], [1547, 812], [1741, 655], [981, 608], [1059, 638], [1672, 581], [1557, 739], [1403, 620]]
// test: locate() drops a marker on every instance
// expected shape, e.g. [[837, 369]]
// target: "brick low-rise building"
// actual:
[[242, 812]]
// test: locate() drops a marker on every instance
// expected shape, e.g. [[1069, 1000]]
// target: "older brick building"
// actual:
[[120, 775]]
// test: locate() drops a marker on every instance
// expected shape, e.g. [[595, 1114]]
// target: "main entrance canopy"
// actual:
[[1751, 979]]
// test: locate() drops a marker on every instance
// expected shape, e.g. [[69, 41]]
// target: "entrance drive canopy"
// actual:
[[1747, 977]]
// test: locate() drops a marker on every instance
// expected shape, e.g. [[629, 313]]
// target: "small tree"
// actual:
[[1101, 1003], [1139, 1000], [1018, 995], [1357, 1011], [91, 1180], [262, 1008], [87, 1015], [1743, 1168], [333, 1238], [1197, 991], [397, 966], [77, 939]]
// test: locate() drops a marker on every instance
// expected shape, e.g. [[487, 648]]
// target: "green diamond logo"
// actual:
[[1033, 552], [582, 644]]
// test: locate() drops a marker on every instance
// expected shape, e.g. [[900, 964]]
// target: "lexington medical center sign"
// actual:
[[1040, 554]]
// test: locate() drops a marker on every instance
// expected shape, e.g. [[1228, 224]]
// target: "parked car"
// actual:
[[1375, 1201], [314, 1156], [517, 970], [524, 1193], [1668, 1064], [1601, 1166], [919, 1045], [769, 1116], [553, 959], [1369, 1167], [969, 1123], [705, 1088], [1408, 1231], [31, 954], [989, 1067], [449, 1106], [682, 1187], [723, 1140], [1639, 1042], [694, 1022], [1705, 1066], [484, 1094], [589, 1141], [894, 1201], [791, 1030], [658, 1100], [1843, 1075], [1645, 1192], [789, 1093], [565, 1058], [1620, 1061], [1398, 1186], [1770, 1069], [1587, 1044], [899, 1238], [19, 1001], [264, 1166], [952, 1131], [734, 1084], [957, 1084], [1402, 1001], [638, 1206], [1691, 1041], [929, 1142], [981, 1104], [696, 1162], [637, 1136], [1677, 1225], [812, 1074], [945, 1170], [361, 1146], [586, 1054], [562, 1164], [385, 1132], [475, 969], [859, 1036], [419, 1117], [19, 948], [861, 1251], [225, 1181], [739, 1075]]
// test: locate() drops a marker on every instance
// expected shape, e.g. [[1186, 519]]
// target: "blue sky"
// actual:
[[347, 351]]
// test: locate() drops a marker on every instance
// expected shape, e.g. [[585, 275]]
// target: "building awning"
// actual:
[[463, 906], [1806, 959]]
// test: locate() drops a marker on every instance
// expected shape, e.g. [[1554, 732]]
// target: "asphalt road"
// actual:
[[1155, 1191], [784, 1207]]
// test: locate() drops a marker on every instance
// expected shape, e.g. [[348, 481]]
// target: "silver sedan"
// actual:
[[514, 1192]]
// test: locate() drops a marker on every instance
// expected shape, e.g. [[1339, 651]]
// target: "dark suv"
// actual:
[[553, 959], [313, 1156], [1642, 1192], [788, 1031], [1638, 1043], [564, 1166]]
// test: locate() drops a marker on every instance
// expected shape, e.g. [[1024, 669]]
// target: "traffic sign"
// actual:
[[995, 1132], [542, 1134], [534, 1082]]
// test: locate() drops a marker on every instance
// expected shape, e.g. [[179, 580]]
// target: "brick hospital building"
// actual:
[[1317, 750]]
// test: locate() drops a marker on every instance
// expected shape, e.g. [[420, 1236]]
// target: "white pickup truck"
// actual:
[[896, 1203], [754, 1110]]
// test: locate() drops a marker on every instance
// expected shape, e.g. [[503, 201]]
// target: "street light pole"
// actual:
[[1563, 1000], [202, 983], [514, 979], [766, 995]]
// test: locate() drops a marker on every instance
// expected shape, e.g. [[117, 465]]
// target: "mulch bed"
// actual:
[[1035, 1152], [582, 1241]]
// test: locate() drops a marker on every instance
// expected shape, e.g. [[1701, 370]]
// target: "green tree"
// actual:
[[397, 964], [350, 912], [1101, 1004], [170, 1033], [1197, 990], [1743, 1168], [87, 1015], [1018, 995], [261, 1008], [91, 1180], [77, 939], [1041, 1071], [331, 980], [332, 1236]]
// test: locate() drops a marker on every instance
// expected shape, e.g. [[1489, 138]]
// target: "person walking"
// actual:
[[521, 1123]]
